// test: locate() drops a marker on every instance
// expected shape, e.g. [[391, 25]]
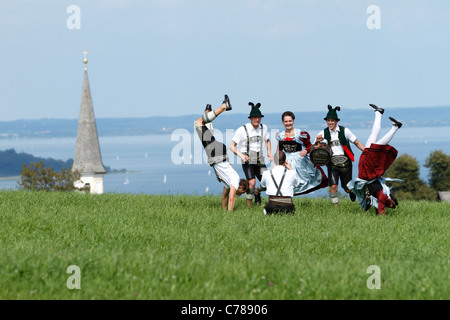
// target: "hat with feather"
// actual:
[[255, 112], [332, 114]]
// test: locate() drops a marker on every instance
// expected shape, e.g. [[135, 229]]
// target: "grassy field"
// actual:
[[185, 247]]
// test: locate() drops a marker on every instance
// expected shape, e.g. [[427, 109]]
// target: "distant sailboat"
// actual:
[[126, 181]]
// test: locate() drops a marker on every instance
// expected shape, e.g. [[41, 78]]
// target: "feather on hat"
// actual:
[[255, 112], [332, 114]]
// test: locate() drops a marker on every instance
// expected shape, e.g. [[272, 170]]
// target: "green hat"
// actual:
[[255, 112], [332, 114]]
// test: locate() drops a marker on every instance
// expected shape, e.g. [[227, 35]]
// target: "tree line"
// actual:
[[407, 168], [11, 162]]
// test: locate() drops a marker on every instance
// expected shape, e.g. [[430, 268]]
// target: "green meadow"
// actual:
[[187, 248]]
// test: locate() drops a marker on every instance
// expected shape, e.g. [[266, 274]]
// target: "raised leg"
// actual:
[[376, 128]]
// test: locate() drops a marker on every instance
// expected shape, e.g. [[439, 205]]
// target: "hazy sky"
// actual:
[[172, 57]]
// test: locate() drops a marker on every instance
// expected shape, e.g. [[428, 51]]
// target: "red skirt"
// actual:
[[374, 161]]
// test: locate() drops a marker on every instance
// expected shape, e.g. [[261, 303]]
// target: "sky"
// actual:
[[171, 57]]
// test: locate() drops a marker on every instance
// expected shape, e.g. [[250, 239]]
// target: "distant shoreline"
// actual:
[[310, 120], [10, 178]]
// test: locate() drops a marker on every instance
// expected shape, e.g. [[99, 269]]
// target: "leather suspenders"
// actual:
[[261, 139], [281, 182]]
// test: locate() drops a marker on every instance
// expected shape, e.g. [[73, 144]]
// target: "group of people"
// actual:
[[293, 173]]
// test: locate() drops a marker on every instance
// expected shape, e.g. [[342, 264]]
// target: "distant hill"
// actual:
[[11, 163], [352, 118]]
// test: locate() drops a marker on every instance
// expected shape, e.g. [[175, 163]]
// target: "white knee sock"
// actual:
[[388, 136], [209, 117], [376, 128]]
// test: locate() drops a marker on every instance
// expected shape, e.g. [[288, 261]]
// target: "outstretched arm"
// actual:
[[231, 198], [359, 145], [269, 150], [228, 198], [234, 149]]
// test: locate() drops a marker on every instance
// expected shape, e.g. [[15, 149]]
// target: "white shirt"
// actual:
[[338, 150], [240, 137], [291, 180]]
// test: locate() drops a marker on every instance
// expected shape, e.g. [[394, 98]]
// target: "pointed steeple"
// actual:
[[88, 159]]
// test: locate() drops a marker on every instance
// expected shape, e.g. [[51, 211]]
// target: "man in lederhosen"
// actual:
[[217, 156], [279, 183], [340, 166], [248, 144]]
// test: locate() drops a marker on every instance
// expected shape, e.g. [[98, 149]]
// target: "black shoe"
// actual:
[[227, 103], [352, 196], [380, 110], [368, 204], [394, 198], [257, 199], [396, 123], [208, 108]]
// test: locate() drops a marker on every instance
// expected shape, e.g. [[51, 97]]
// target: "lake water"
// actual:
[[173, 163]]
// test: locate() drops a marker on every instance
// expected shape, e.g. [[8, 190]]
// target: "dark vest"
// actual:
[[344, 142]]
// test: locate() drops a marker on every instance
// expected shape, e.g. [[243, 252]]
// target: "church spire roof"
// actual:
[[88, 158]]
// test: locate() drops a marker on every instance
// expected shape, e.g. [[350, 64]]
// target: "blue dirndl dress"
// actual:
[[309, 174]]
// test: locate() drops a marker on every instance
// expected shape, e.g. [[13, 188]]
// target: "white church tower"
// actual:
[[88, 159]]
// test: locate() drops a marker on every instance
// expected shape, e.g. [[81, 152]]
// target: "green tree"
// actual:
[[407, 168], [439, 176], [37, 176]]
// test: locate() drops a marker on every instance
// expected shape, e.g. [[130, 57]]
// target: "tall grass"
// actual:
[[186, 247]]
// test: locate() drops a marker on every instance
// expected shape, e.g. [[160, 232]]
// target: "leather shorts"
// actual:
[[342, 172], [253, 171]]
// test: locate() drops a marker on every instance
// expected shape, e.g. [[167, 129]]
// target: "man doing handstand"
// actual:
[[218, 159]]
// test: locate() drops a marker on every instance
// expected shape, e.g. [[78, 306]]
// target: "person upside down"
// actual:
[[376, 158], [217, 156]]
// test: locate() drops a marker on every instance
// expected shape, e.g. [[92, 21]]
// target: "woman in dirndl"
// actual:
[[296, 144], [378, 155]]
